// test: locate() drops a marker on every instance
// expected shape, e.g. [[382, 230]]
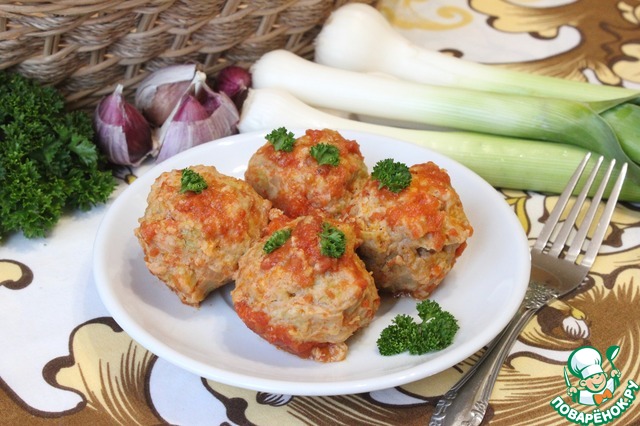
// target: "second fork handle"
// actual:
[[466, 402]]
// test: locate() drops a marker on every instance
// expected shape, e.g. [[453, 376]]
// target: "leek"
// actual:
[[528, 117], [502, 161], [359, 38], [624, 120]]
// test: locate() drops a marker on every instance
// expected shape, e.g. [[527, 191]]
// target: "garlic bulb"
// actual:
[[201, 115], [234, 81], [122, 133], [158, 94]]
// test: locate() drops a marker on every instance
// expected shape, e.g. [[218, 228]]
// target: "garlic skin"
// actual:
[[234, 81], [122, 133], [159, 92], [202, 115]]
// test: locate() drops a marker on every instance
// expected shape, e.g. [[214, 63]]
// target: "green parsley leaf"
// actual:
[[49, 164], [276, 240], [428, 309], [325, 153], [281, 139], [395, 176], [333, 242], [396, 338], [435, 332], [192, 181]]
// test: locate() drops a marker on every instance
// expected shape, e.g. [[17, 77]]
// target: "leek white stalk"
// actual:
[[503, 162], [359, 38], [529, 117]]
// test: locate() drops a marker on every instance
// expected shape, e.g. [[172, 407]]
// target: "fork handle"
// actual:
[[466, 402]]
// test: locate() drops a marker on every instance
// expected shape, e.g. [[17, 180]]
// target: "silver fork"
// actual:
[[552, 276]]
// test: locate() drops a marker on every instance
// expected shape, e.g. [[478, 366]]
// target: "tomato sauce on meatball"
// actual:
[[301, 300], [193, 241], [411, 239], [298, 185]]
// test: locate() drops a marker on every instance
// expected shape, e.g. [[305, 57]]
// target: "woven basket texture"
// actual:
[[85, 47]]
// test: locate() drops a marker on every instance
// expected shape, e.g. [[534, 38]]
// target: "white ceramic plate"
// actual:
[[483, 290]]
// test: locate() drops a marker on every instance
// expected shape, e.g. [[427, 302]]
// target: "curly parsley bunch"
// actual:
[[435, 331], [48, 161]]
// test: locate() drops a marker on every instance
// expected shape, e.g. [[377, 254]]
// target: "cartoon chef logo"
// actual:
[[594, 386]]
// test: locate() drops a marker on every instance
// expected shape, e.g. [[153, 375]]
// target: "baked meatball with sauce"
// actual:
[[192, 241], [412, 238], [296, 183], [299, 299]]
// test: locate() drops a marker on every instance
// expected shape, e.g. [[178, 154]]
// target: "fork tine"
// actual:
[[603, 223], [551, 222], [581, 236], [567, 226]]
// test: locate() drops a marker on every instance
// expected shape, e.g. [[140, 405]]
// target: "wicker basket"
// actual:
[[85, 47]]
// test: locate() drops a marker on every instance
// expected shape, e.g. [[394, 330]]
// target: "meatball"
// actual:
[[411, 239], [301, 300], [298, 185], [193, 241]]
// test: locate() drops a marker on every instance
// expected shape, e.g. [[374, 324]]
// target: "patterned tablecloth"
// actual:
[[64, 360]]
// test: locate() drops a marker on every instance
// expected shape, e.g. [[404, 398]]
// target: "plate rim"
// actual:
[[141, 336]]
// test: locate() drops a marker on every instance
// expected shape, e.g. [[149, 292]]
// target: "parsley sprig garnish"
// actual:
[[435, 332], [395, 176], [281, 139], [332, 241], [276, 240], [192, 181], [325, 153]]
